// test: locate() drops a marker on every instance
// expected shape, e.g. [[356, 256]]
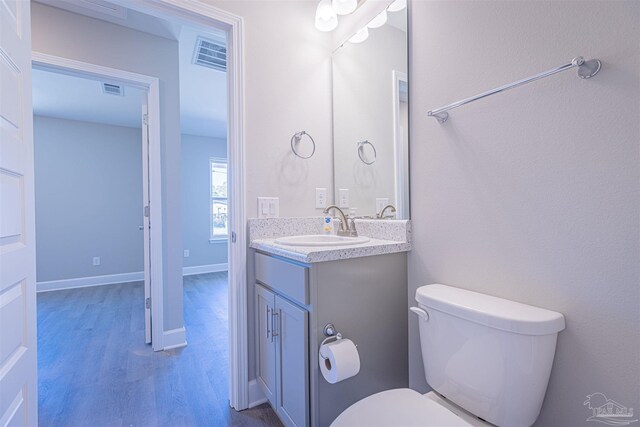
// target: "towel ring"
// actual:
[[296, 138], [361, 145]]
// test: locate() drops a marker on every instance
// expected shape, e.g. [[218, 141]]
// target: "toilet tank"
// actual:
[[489, 355]]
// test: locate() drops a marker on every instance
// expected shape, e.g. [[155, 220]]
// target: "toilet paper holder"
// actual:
[[330, 333], [330, 330]]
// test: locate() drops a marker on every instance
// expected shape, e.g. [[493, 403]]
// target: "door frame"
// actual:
[[401, 170], [198, 13], [151, 84]]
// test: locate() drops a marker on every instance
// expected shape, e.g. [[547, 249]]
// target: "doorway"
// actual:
[[18, 260], [113, 82], [200, 14]]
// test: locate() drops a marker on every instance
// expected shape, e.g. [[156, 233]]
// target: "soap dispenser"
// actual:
[[328, 226]]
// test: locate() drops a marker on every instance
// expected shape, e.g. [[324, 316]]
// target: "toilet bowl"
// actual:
[[404, 407], [487, 359]]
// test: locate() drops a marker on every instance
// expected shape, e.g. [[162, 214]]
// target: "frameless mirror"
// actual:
[[370, 118]]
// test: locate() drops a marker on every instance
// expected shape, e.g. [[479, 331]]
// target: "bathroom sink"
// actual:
[[321, 240]]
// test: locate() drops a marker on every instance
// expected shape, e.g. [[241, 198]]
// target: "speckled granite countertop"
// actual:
[[386, 237]]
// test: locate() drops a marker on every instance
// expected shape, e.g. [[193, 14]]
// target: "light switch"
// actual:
[[321, 198], [343, 198], [268, 207], [263, 207], [186, 253], [381, 202]]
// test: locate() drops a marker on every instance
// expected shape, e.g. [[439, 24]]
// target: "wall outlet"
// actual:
[[321, 198], [381, 203], [96, 261], [343, 198], [186, 253], [268, 207]]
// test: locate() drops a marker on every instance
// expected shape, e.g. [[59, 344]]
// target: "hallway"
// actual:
[[94, 368]]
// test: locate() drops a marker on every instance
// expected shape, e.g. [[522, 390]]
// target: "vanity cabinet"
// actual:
[[365, 298], [282, 346]]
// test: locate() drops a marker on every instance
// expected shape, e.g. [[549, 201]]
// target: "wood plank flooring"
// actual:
[[95, 370]]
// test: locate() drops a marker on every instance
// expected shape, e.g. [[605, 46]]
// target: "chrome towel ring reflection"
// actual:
[[295, 139], [361, 145]]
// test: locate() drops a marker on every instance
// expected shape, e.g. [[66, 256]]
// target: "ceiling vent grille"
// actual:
[[112, 89], [210, 53]]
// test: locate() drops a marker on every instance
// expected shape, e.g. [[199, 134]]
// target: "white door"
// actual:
[[146, 221], [18, 369]]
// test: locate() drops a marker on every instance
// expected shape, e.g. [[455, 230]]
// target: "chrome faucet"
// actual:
[[381, 214], [344, 224]]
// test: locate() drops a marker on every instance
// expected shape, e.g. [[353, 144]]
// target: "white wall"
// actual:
[[533, 194], [287, 64], [65, 34], [88, 199], [196, 197]]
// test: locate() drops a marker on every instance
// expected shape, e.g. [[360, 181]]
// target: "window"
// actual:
[[219, 203]]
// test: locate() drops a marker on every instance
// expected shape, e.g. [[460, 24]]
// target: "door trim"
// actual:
[[198, 13], [152, 85]]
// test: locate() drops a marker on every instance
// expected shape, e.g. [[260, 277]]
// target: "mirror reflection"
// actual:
[[370, 119]]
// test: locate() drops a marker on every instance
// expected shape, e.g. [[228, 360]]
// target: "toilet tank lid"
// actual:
[[491, 311]]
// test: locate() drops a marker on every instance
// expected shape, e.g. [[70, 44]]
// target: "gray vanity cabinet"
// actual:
[[283, 359], [365, 298]]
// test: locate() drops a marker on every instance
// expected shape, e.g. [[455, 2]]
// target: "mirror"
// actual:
[[370, 118]]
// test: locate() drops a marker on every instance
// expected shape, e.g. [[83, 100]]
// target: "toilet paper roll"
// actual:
[[339, 360]]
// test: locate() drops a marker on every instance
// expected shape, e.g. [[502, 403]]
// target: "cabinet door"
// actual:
[[292, 369], [266, 366]]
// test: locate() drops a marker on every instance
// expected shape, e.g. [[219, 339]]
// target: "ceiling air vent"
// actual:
[[112, 89], [210, 53]]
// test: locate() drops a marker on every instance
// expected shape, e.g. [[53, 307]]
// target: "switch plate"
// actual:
[[343, 198], [381, 202], [321, 198], [268, 207], [96, 261], [186, 253]]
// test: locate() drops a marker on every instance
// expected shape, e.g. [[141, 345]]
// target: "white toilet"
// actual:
[[487, 359]]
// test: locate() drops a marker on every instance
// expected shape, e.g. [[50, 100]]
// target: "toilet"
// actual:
[[487, 359]]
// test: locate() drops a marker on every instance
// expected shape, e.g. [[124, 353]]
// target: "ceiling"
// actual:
[[76, 98], [203, 91]]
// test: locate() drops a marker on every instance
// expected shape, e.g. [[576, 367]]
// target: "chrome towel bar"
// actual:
[[586, 69]]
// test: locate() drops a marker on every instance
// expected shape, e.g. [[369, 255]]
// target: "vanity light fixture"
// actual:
[[326, 18], [344, 7], [379, 20], [360, 36], [397, 6]]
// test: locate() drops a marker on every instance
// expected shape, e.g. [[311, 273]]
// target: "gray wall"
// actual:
[[196, 196], [533, 195], [88, 199], [65, 34]]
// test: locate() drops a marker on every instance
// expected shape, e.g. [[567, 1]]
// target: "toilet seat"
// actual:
[[403, 407]]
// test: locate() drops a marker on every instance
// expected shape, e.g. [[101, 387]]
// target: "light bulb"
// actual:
[[379, 20], [360, 36], [326, 18], [397, 6], [344, 7]]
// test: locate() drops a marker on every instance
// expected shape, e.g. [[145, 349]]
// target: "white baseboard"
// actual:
[[83, 282], [256, 396], [174, 338], [200, 269], [111, 279]]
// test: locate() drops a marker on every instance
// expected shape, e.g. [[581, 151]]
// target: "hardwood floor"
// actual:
[[95, 370]]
